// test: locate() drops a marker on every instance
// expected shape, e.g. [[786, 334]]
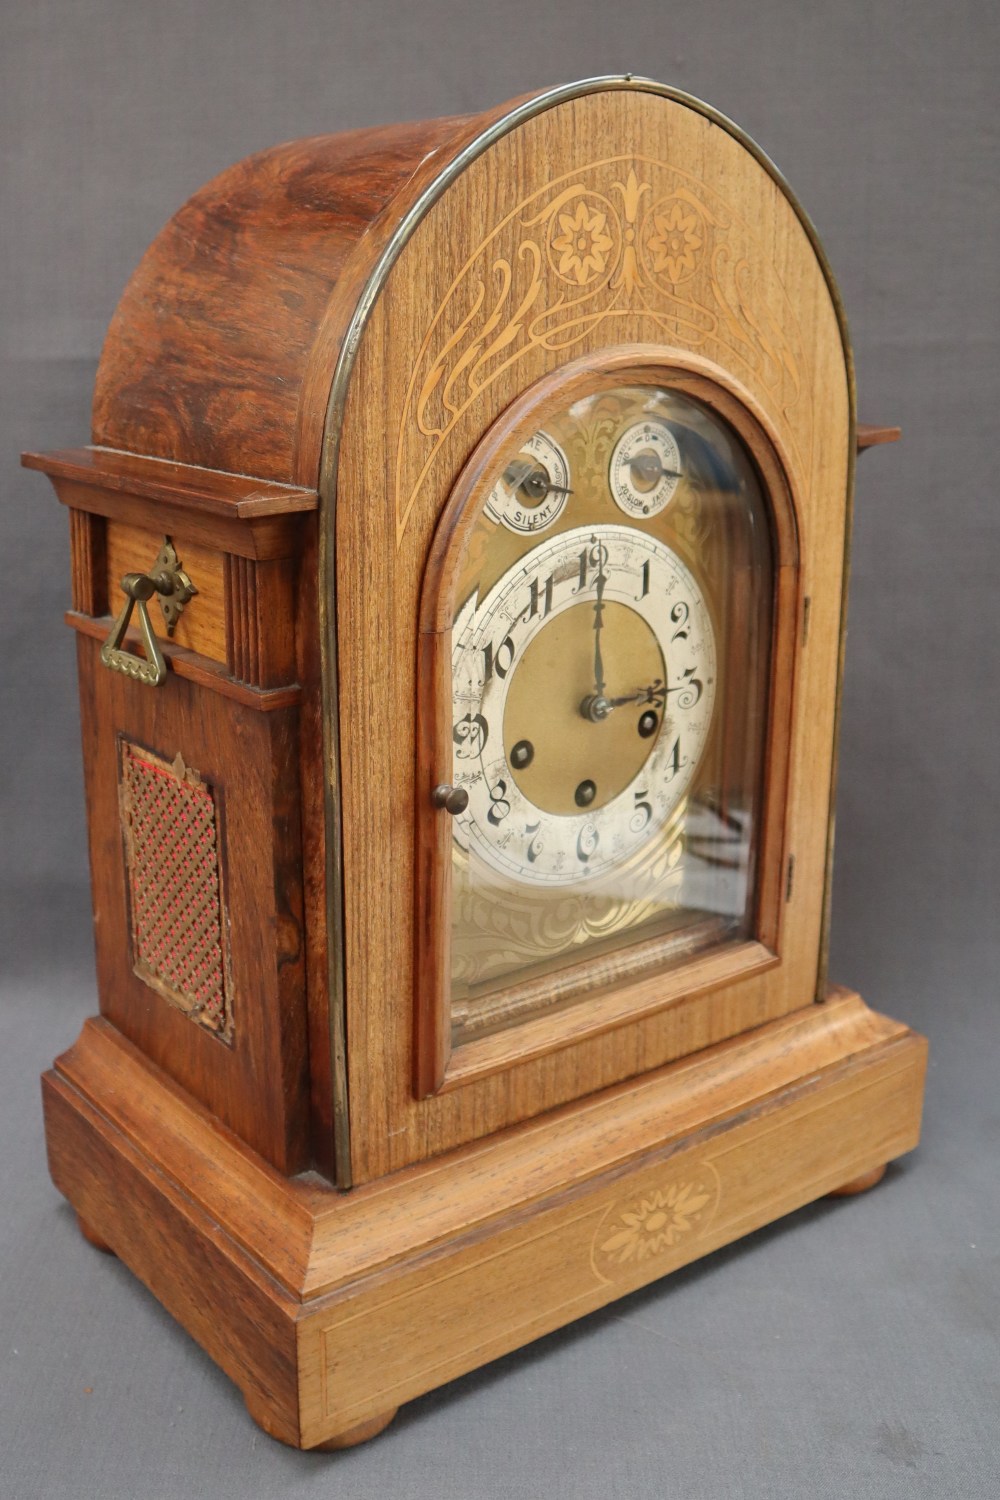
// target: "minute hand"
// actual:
[[598, 621], [654, 694]]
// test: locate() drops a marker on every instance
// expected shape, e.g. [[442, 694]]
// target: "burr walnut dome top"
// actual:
[[222, 351]]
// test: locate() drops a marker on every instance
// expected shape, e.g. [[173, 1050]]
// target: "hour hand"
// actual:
[[596, 707], [653, 694]]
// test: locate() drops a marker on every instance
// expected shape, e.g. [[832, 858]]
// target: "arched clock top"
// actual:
[[221, 351], [596, 247], [234, 343]]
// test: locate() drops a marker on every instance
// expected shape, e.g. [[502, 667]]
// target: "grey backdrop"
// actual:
[[853, 1350]]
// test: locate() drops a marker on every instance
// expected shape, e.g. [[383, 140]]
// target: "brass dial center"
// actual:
[[563, 761]]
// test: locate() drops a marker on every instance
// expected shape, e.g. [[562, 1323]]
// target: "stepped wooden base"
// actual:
[[330, 1309]]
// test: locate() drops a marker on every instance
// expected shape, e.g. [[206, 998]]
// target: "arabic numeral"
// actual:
[[688, 690], [592, 557], [470, 735], [540, 599], [674, 761], [587, 842], [680, 615], [501, 807], [500, 660], [642, 813], [536, 842]]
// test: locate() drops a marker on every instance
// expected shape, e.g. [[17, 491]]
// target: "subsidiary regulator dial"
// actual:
[[645, 469]]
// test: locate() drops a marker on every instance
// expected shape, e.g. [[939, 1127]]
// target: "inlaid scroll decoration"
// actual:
[[626, 242], [654, 1224], [170, 823]]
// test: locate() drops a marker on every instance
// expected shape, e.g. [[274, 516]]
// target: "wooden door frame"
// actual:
[[645, 988]]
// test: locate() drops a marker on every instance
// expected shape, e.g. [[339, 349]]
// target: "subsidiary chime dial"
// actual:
[[584, 674], [534, 487]]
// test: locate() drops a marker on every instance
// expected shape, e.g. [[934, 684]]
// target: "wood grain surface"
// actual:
[[329, 1308], [554, 1167], [207, 492], [243, 274], [228, 512], [474, 312], [872, 436], [258, 1085], [202, 625]]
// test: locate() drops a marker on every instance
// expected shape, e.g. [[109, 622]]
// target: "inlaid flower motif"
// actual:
[[676, 241], [656, 1222], [582, 244]]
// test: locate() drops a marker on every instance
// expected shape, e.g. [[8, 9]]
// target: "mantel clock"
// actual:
[[458, 580]]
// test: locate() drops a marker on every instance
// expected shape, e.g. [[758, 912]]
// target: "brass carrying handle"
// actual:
[[167, 579]]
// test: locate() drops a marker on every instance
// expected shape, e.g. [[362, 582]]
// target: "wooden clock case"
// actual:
[[301, 389]]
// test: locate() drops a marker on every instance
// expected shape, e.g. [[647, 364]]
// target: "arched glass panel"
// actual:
[[610, 673]]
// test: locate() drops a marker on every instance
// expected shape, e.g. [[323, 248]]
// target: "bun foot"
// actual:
[[359, 1434], [858, 1184], [273, 1422], [92, 1237]]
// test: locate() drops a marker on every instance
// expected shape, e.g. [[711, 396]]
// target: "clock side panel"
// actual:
[[617, 220]]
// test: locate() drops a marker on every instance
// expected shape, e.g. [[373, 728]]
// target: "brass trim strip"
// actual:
[[537, 105]]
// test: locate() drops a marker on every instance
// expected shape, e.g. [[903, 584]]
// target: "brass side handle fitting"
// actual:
[[169, 581]]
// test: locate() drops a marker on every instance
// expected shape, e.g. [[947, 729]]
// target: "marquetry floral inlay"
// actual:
[[582, 243], [676, 239], [648, 1227], [655, 1223], [623, 249]]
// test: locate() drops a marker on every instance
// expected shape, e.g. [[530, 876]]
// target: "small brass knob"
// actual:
[[454, 799]]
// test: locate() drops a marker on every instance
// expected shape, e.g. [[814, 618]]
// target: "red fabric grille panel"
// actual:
[[171, 836]]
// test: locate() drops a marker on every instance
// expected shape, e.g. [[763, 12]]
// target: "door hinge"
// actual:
[[790, 877]]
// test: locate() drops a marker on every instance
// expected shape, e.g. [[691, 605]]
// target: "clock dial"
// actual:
[[534, 487], [608, 701], [645, 469], [583, 691]]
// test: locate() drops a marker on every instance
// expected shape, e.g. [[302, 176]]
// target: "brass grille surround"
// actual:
[[170, 821]]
